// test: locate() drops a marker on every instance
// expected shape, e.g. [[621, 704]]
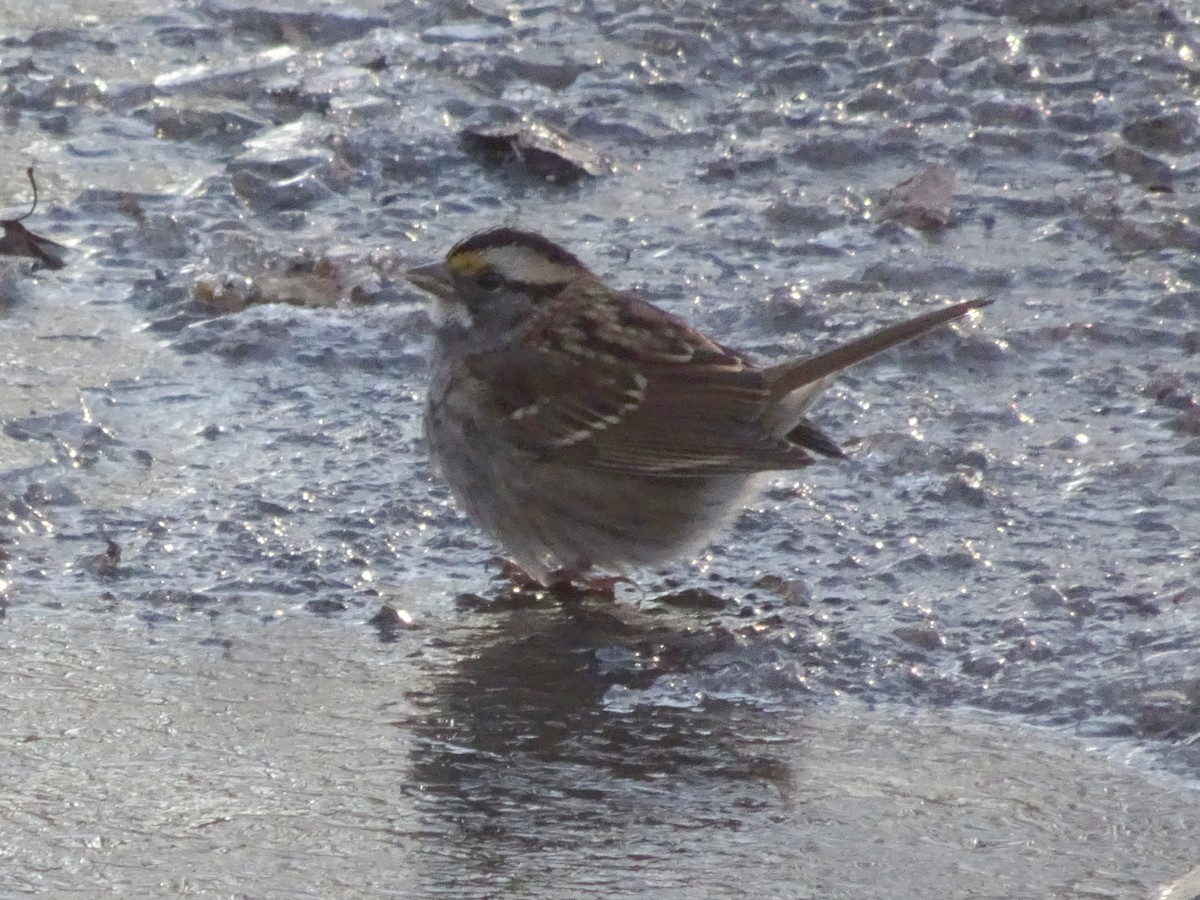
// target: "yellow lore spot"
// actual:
[[467, 262]]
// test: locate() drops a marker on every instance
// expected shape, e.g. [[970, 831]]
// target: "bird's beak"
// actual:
[[434, 278]]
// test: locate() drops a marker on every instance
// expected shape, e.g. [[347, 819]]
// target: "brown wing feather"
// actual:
[[701, 426], [550, 402], [630, 388]]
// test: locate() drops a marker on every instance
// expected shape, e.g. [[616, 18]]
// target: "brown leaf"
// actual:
[[923, 201], [20, 241]]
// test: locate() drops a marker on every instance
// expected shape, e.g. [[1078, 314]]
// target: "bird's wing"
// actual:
[[616, 384]]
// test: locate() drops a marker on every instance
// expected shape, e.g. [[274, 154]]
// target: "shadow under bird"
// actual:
[[582, 427]]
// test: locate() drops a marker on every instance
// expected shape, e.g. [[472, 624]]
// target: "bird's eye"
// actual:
[[489, 280]]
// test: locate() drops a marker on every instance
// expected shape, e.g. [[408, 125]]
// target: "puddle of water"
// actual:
[[298, 758]]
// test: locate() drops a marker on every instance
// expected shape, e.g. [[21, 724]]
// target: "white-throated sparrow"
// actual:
[[580, 426]]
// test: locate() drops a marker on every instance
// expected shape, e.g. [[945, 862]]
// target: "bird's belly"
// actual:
[[555, 516]]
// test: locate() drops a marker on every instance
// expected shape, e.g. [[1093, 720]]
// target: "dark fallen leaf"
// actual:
[[923, 201], [1143, 169], [538, 150], [390, 622], [20, 241], [107, 564], [325, 606], [312, 284], [695, 598]]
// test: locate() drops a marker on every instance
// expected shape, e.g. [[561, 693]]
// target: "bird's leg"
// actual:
[[574, 582], [516, 576], [567, 583]]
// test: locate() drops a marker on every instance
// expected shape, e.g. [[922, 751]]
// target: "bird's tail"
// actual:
[[795, 385]]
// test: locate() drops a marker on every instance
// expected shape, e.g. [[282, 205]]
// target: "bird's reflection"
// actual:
[[523, 748]]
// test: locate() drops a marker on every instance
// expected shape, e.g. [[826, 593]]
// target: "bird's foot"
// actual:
[[568, 583]]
